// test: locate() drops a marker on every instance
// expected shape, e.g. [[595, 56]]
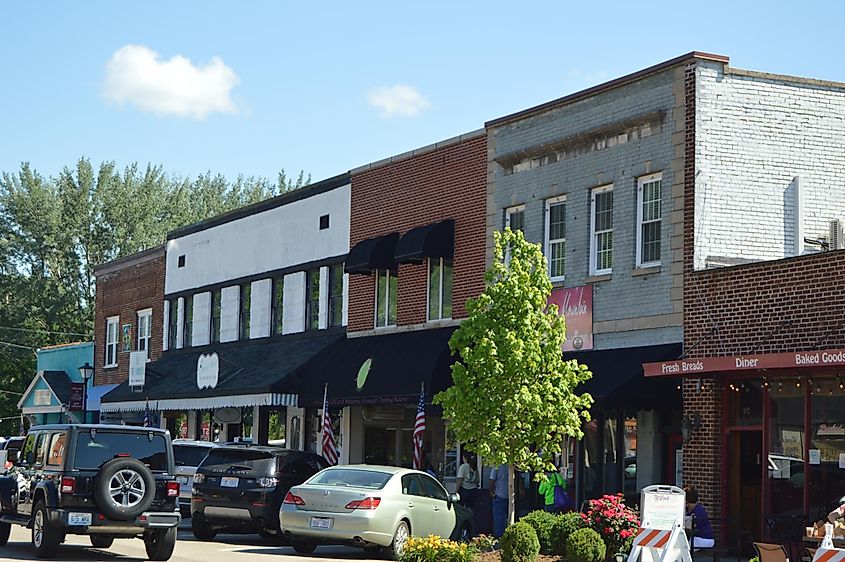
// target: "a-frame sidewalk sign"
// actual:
[[661, 536]]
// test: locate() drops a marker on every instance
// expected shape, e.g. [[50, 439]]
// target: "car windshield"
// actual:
[[189, 455], [92, 452], [372, 479], [225, 459]]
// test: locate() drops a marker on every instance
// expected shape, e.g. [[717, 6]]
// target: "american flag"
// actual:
[[329, 445], [419, 432]]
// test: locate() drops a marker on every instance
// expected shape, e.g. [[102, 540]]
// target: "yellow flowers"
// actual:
[[435, 549]]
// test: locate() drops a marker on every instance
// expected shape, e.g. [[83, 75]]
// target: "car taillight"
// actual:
[[172, 489], [267, 482], [198, 478], [68, 485], [366, 503], [293, 499]]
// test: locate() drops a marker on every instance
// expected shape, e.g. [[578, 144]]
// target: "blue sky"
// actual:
[[328, 86]]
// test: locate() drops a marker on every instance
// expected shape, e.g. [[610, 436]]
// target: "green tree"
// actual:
[[513, 399]]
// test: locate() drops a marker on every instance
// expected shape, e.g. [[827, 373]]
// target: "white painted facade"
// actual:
[[275, 239], [279, 238], [755, 134]]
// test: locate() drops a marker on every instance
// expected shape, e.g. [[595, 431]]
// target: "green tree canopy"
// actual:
[[513, 399]]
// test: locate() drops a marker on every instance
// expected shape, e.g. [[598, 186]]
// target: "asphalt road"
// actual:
[[225, 548]]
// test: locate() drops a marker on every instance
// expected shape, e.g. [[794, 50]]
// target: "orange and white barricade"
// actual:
[[826, 551], [661, 545]]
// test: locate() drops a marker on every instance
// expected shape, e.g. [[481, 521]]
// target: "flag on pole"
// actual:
[[329, 446], [419, 431]]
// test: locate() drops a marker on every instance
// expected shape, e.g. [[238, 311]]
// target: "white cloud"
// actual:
[[397, 101], [138, 76]]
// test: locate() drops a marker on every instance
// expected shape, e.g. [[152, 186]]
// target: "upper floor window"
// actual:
[[439, 288], [312, 299], [335, 295], [110, 359], [172, 323], [188, 321], [215, 316], [515, 218], [649, 219], [145, 318], [278, 306], [601, 230], [243, 324], [386, 285], [555, 237]]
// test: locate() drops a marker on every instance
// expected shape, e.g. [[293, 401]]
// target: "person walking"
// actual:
[[555, 501], [498, 487], [467, 482]]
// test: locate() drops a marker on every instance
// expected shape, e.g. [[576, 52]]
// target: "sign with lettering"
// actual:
[[826, 358], [576, 305]]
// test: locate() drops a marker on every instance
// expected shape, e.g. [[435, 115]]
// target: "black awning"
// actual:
[[252, 368], [436, 240], [371, 254], [618, 379], [399, 363]]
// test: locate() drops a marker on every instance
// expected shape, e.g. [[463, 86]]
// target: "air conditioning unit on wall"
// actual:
[[836, 236]]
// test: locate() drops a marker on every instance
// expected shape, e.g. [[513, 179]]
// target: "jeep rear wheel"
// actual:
[[160, 543], [124, 489], [45, 537]]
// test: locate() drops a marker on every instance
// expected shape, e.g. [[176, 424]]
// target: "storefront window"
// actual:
[[786, 447], [827, 446]]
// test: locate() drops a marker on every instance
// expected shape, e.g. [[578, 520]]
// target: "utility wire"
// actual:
[[44, 331]]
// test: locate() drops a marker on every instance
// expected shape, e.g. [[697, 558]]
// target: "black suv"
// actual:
[[99, 480], [240, 488]]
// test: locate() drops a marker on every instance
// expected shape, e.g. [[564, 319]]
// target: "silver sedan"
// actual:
[[370, 506]]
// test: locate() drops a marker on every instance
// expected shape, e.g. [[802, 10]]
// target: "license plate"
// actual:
[[80, 519], [229, 482], [321, 522], [183, 480]]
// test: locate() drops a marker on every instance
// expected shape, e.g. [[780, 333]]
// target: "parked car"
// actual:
[[371, 506], [188, 454], [103, 481], [240, 488]]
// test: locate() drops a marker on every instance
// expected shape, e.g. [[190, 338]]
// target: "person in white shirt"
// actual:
[[467, 482]]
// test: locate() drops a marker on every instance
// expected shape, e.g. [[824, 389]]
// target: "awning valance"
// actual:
[[389, 368], [372, 254], [246, 375], [436, 240], [618, 379]]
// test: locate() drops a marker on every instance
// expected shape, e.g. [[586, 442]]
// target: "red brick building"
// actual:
[[128, 313], [764, 393]]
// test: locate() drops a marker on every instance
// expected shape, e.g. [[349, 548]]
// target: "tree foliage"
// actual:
[[55, 230], [513, 398]]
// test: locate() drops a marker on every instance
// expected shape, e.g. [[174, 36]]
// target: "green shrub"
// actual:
[[519, 543], [585, 545], [542, 523], [564, 526]]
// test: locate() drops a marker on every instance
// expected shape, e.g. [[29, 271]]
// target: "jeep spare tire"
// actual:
[[124, 489]]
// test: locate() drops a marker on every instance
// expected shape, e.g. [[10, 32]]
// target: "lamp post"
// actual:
[[87, 371]]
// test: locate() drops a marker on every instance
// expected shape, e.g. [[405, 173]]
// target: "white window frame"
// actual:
[[390, 275], [147, 314], [547, 242], [428, 290], [641, 181], [594, 235], [511, 211], [111, 321]]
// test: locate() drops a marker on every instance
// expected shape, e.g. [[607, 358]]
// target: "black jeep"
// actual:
[[105, 481]]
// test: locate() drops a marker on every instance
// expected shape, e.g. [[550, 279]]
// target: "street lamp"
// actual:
[[87, 371]]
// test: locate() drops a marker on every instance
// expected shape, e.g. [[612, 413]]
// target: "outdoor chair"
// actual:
[[768, 552]]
